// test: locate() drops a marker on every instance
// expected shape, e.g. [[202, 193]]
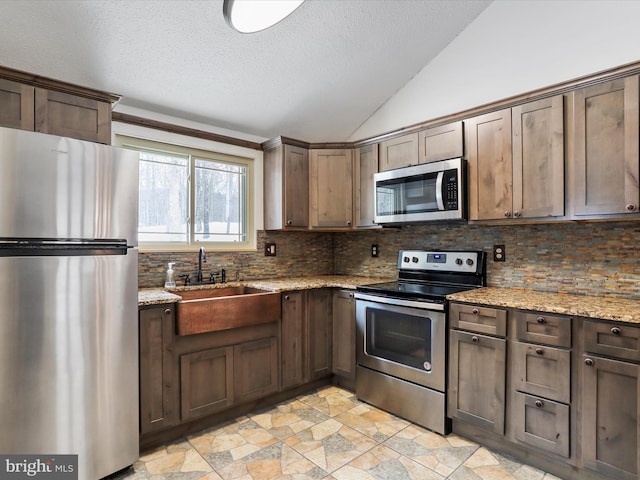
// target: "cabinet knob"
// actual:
[[167, 311], [475, 339], [286, 297], [351, 295], [539, 403], [588, 362], [507, 213], [631, 207], [288, 222], [616, 331], [517, 213], [475, 311], [540, 320], [348, 224], [539, 351]]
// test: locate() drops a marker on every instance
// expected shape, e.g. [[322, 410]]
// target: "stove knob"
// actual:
[[469, 261], [458, 261], [414, 259], [405, 259]]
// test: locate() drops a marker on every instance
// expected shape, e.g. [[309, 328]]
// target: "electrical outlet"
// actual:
[[269, 249], [375, 250], [499, 253]]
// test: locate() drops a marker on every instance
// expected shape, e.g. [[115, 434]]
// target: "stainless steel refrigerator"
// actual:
[[68, 301]]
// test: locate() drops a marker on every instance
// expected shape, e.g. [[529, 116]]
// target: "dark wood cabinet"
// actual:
[[320, 312], [256, 370], [606, 148], [399, 152], [331, 188], [158, 410], [16, 105], [206, 382], [286, 187], [344, 337], [292, 339], [441, 143], [366, 165], [477, 376]]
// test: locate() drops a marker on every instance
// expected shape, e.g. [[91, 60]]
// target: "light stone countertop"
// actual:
[[606, 308], [157, 296]]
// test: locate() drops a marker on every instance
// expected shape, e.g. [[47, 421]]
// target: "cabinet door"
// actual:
[[441, 143], [477, 380], [399, 152], [292, 339], [206, 382], [605, 160], [319, 313], [158, 409], [538, 158], [296, 186], [255, 369], [366, 165], [331, 188], [541, 370], [68, 115], [610, 417], [16, 105], [542, 423], [488, 141], [344, 334]]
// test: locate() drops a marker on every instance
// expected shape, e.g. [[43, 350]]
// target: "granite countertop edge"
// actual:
[[605, 308], [159, 296]]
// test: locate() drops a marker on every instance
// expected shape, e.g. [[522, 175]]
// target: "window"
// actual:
[[192, 197]]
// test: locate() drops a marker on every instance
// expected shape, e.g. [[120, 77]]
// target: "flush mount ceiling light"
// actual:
[[249, 16]]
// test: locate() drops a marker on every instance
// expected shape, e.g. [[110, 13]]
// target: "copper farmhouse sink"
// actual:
[[215, 309]]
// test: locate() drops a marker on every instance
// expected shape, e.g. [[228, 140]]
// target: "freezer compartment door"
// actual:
[[56, 187], [69, 359]]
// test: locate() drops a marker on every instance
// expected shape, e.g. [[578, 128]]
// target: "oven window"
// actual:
[[399, 337]]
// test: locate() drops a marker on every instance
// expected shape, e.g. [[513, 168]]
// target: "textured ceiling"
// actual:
[[316, 76]]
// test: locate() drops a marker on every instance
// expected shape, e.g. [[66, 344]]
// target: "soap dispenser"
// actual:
[[170, 282]]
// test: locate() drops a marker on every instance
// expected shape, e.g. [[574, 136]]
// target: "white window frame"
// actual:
[[208, 150]]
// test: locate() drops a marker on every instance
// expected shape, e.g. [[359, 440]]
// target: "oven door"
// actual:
[[402, 338]]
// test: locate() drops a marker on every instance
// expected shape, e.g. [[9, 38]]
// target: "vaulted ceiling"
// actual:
[[316, 76]]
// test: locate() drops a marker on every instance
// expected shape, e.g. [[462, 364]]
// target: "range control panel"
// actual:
[[445, 261]]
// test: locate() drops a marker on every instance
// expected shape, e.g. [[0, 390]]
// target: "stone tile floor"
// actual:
[[325, 435]]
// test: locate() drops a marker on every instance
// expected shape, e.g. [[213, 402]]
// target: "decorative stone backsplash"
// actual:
[[599, 258], [298, 254]]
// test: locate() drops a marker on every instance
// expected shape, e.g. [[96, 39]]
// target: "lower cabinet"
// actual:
[[158, 409], [255, 369], [344, 337], [206, 382], [320, 314], [292, 339]]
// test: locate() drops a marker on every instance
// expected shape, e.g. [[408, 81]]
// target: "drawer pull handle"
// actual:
[[539, 403], [631, 207], [588, 362], [539, 351], [540, 320], [616, 331], [475, 339], [167, 311], [507, 213], [475, 311]]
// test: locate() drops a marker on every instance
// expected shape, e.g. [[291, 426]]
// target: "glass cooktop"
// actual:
[[413, 290]]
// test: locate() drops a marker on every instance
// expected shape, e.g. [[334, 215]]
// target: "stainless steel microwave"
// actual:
[[421, 193]]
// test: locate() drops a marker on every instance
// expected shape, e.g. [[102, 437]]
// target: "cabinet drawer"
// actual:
[[543, 328], [542, 423], [620, 341], [491, 321], [542, 370]]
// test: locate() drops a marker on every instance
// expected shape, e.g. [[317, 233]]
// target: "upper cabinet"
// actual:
[[441, 143], [331, 188], [366, 165], [47, 106], [605, 144], [516, 162], [399, 152], [286, 187]]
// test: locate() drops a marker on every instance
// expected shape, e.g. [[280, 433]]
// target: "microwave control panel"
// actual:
[[451, 190]]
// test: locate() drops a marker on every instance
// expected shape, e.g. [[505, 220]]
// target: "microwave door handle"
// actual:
[[439, 190]]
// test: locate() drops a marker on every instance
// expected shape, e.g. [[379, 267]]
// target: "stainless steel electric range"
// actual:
[[402, 333]]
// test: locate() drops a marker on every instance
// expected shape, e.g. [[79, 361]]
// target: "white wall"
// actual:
[[511, 48]]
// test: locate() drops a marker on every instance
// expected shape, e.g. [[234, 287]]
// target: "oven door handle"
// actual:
[[439, 190], [439, 307]]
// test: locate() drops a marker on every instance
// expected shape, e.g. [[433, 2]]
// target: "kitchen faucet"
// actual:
[[202, 257]]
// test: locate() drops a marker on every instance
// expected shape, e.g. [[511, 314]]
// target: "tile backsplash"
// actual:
[[599, 258]]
